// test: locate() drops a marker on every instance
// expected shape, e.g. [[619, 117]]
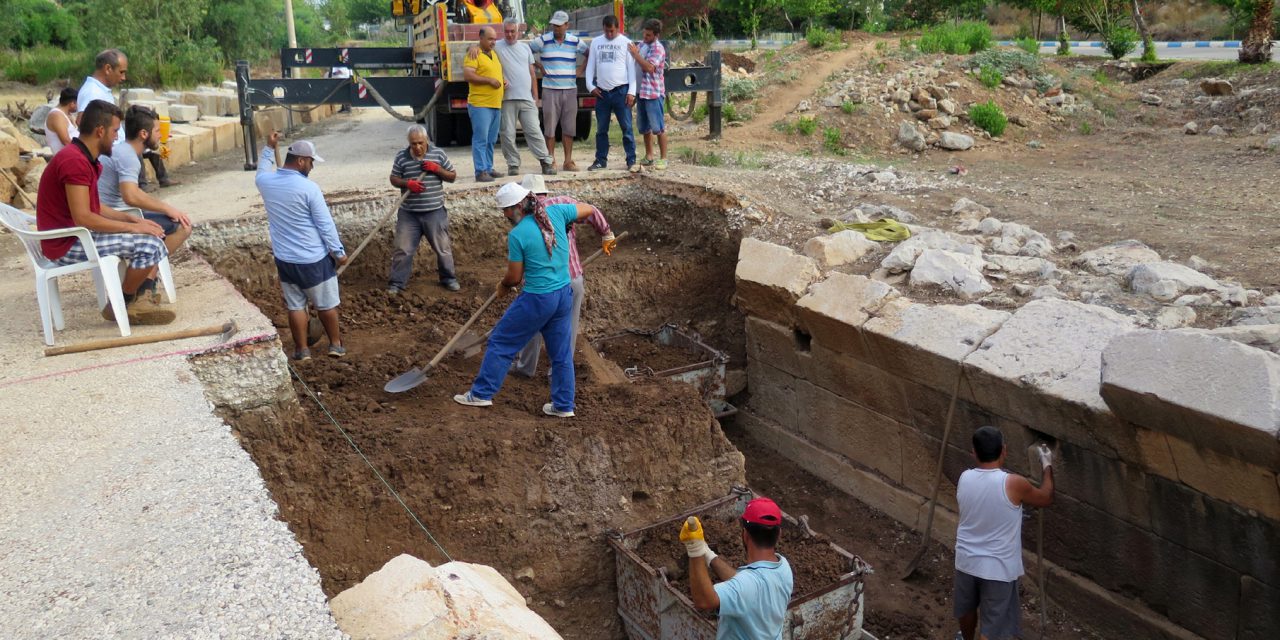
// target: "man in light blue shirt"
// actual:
[[752, 600], [304, 241]]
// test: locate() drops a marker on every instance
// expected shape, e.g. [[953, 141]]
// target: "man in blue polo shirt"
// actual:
[[751, 600], [561, 58], [538, 255], [304, 241]]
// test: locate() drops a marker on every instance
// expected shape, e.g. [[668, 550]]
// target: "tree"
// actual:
[[1256, 48], [1148, 46], [749, 14], [241, 28]]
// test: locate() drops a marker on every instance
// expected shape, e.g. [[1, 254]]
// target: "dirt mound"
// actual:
[[735, 61], [635, 350]]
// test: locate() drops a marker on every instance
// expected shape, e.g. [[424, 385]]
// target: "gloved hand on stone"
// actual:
[[691, 534], [430, 167], [1046, 456], [609, 244], [415, 186]]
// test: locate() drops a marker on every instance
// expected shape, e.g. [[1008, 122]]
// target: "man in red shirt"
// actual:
[[68, 197]]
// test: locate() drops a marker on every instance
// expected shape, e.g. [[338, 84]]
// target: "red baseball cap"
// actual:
[[763, 511]]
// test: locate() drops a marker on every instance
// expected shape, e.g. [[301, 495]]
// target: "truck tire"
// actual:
[[461, 129], [584, 124]]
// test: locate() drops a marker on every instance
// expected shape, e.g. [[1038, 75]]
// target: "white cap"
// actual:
[[511, 194], [534, 182], [558, 18], [305, 149]]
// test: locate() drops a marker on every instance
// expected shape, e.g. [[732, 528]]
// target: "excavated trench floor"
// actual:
[[505, 486]]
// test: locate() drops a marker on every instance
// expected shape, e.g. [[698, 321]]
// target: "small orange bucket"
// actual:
[[164, 129]]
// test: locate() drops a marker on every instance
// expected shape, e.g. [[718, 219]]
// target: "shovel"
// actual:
[[315, 330], [224, 331], [937, 480], [416, 376], [471, 343]]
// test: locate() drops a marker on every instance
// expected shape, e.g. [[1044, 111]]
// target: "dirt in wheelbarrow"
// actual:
[[636, 350], [813, 562]]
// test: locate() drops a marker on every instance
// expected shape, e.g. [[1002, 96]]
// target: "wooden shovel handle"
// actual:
[[449, 345], [109, 343], [372, 232]]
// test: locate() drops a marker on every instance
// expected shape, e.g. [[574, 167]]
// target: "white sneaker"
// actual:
[[471, 401], [550, 409]]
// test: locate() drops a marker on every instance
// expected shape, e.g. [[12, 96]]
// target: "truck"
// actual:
[[426, 75]]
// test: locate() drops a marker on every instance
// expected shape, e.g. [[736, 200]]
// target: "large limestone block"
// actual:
[[1117, 258], [925, 343], [903, 257], [776, 345], [202, 140], [135, 95], [773, 393], [30, 172], [835, 308], [409, 599], [838, 249], [959, 273], [8, 192], [859, 382], [179, 150], [859, 434], [183, 113], [24, 141], [1167, 280], [1212, 392], [224, 131], [228, 104], [771, 278], [208, 102], [161, 107], [1227, 478], [8, 151], [1042, 369]]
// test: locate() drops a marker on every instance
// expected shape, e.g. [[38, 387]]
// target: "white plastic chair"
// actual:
[[165, 271], [106, 271]]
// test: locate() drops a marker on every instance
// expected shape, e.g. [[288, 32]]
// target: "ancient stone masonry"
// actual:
[[1168, 507]]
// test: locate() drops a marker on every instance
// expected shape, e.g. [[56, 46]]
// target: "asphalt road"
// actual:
[[1167, 53]]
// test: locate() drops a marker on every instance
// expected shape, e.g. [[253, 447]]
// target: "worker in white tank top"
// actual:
[[989, 538], [59, 127]]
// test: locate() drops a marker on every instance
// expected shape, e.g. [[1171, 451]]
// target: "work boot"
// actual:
[[512, 171], [165, 184], [142, 311], [548, 168], [551, 410], [484, 176]]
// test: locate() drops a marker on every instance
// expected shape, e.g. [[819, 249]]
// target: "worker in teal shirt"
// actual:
[[538, 255], [752, 600]]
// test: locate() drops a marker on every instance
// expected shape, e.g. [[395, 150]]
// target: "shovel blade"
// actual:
[[315, 331], [406, 381], [469, 344]]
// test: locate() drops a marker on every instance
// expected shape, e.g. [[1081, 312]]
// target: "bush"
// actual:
[[1148, 50], [832, 141], [819, 37], [1030, 45], [1006, 61], [990, 77], [1120, 41], [989, 117], [45, 63], [956, 39], [849, 107], [739, 89], [806, 125], [32, 23], [1064, 44]]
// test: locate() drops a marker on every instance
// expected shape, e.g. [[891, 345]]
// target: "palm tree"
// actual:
[[1256, 48]]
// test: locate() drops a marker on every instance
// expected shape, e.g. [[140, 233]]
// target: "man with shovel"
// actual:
[[422, 169], [526, 362], [538, 256], [989, 538], [304, 240]]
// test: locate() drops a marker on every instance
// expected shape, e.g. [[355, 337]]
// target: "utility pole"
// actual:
[[288, 24]]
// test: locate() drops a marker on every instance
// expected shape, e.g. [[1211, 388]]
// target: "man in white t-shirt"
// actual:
[[611, 78], [118, 184], [341, 72], [110, 69], [989, 538], [520, 101]]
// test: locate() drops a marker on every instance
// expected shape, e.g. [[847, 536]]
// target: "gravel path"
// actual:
[[134, 514]]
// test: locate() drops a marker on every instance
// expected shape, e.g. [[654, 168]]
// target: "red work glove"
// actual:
[[415, 186], [430, 166]]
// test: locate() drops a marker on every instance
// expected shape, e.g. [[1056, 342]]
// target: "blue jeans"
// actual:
[[484, 133], [410, 227], [551, 315], [614, 102]]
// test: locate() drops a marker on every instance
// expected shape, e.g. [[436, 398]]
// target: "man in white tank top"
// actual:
[[989, 538]]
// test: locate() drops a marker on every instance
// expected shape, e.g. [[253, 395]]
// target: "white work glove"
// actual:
[[694, 542], [1046, 455]]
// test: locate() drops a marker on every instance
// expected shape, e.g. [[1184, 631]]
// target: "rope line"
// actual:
[[370, 464], [421, 115]]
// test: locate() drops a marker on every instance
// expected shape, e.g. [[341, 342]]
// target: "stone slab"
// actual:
[[1106, 483], [8, 151], [773, 393], [859, 434], [834, 310], [1212, 392], [859, 382], [224, 132], [207, 102], [184, 113], [135, 95], [1216, 529], [1259, 613], [1227, 478], [202, 140], [1041, 368], [925, 343], [161, 107], [775, 345], [840, 248], [179, 151], [770, 279]]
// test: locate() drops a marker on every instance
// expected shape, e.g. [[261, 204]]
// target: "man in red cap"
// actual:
[[751, 600]]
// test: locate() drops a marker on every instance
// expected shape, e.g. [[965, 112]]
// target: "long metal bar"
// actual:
[[354, 57]]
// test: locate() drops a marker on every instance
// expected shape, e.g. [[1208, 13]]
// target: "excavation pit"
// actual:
[[667, 352], [505, 486]]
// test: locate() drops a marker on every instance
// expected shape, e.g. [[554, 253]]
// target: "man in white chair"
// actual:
[[68, 197]]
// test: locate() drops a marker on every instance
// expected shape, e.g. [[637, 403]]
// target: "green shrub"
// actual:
[[46, 63], [1064, 44], [1148, 50], [849, 107], [819, 37], [749, 160], [32, 23], [989, 117], [1006, 61], [1120, 41], [700, 112], [832, 142], [739, 89], [990, 77], [1030, 45], [703, 158], [956, 39], [1045, 82], [1086, 128], [806, 125]]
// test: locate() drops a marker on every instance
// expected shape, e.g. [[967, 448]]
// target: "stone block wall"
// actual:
[[1167, 518]]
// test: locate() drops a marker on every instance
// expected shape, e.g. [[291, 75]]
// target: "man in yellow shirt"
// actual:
[[483, 73], [482, 11]]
